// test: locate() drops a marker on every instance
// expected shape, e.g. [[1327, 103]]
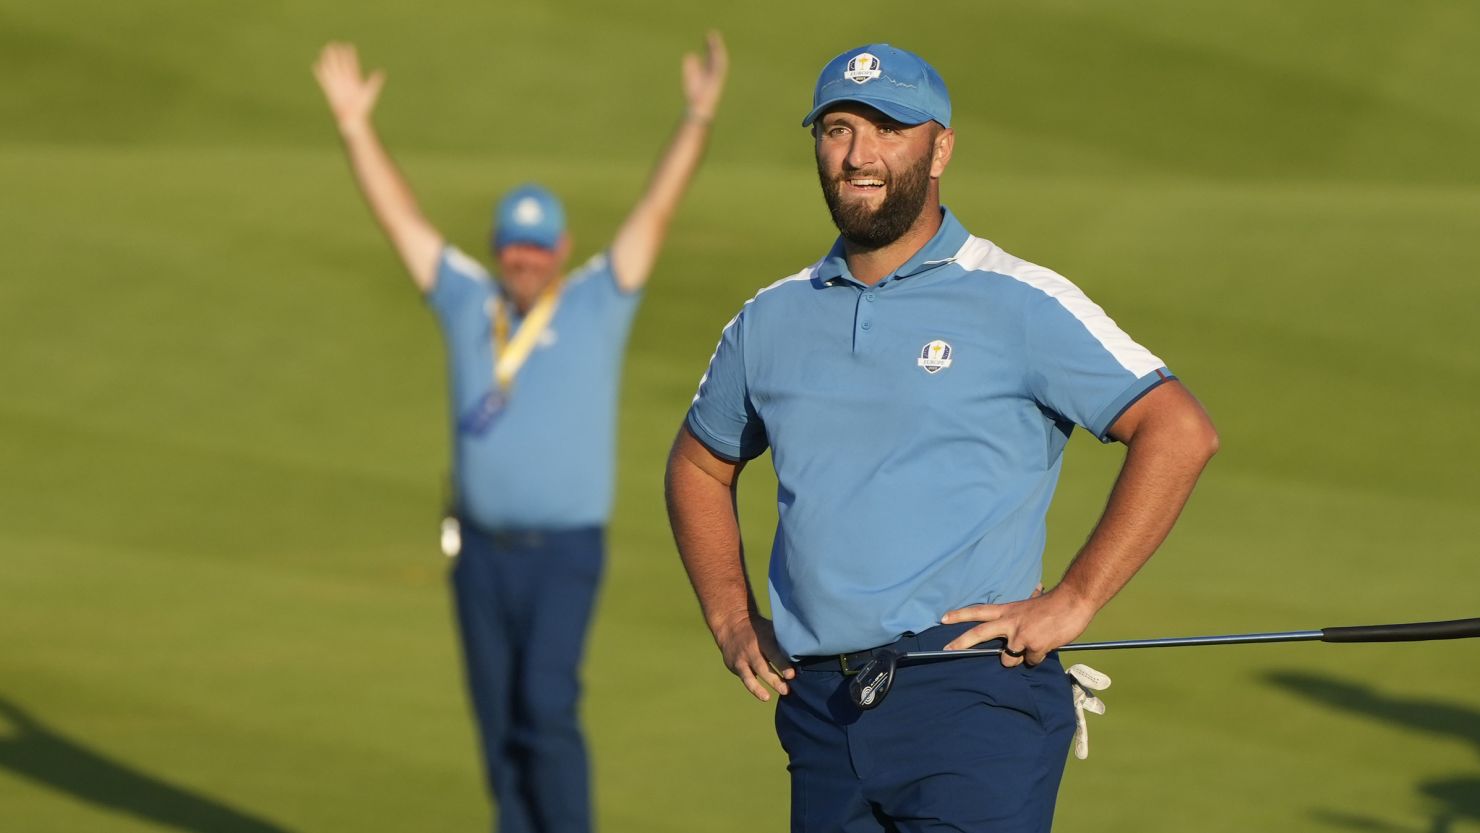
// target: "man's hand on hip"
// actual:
[[748, 644], [1031, 628]]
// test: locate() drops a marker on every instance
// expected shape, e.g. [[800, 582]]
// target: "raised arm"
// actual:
[[700, 489], [1169, 439], [352, 96], [635, 249]]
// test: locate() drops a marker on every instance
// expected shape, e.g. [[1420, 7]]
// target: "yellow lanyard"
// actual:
[[508, 355]]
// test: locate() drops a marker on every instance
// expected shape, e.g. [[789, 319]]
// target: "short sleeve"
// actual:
[[722, 416], [460, 280], [595, 283], [1081, 365]]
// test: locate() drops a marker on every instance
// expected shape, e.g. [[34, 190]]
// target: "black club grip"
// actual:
[[1410, 632]]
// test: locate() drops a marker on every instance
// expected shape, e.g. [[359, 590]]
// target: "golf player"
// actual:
[[916, 387], [534, 357]]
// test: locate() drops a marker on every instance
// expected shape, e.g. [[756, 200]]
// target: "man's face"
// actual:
[[526, 269], [875, 172]]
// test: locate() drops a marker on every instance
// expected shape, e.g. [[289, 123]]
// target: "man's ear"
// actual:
[[940, 154]]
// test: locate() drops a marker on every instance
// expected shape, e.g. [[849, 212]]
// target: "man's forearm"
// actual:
[[635, 250], [1169, 439], [385, 189], [677, 165], [391, 200], [706, 529], [1162, 465]]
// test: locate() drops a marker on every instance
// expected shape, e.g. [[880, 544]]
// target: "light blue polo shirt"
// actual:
[[547, 460], [917, 428]]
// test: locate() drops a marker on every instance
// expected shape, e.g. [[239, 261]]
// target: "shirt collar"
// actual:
[[938, 251]]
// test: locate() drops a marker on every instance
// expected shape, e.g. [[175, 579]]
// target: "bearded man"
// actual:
[[916, 388]]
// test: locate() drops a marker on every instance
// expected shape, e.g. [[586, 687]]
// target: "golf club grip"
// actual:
[[1409, 632]]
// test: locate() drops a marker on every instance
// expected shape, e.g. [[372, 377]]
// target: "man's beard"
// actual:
[[876, 228]]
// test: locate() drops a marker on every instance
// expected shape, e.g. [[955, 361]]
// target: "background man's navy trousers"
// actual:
[[524, 602]]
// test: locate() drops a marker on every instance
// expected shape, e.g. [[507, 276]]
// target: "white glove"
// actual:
[[451, 537], [1085, 681]]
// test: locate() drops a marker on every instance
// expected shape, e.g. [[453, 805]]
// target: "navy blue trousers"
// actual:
[[524, 602], [957, 745]]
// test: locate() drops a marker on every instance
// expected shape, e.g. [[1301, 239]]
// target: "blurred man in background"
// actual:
[[917, 387], [534, 354]]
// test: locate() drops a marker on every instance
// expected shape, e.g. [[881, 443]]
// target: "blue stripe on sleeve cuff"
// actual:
[[1107, 417]]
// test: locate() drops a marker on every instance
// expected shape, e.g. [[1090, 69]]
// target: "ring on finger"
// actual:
[[1014, 654]]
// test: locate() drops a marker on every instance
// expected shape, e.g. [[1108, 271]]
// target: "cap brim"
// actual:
[[894, 110], [544, 240]]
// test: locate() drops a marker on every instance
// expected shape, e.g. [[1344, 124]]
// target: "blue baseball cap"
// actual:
[[528, 214], [895, 82]]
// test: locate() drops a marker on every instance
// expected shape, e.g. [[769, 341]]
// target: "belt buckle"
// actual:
[[843, 663]]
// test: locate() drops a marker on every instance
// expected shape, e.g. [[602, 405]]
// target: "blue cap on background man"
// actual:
[[528, 214], [895, 82]]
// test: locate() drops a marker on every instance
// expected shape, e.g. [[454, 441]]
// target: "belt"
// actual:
[[846, 664], [529, 538], [851, 663]]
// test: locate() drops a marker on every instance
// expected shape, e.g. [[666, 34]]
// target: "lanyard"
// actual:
[[510, 355]]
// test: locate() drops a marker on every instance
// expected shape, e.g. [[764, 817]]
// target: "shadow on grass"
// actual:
[[1454, 799], [35, 751]]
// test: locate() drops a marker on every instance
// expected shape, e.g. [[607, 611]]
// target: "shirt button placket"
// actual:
[[865, 312]]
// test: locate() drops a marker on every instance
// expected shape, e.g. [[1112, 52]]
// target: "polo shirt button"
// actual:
[[868, 297], [867, 324]]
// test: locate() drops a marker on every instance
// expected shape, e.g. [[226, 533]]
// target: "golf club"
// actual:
[[873, 681], [877, 677]]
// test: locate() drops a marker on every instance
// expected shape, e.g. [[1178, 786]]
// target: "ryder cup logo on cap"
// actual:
[[934, 357], [530, 215], [862, 68], [897, 83]]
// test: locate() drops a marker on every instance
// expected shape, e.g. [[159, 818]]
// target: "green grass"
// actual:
[[222, 433]]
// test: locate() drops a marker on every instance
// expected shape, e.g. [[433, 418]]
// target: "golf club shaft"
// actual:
[[1407, 632]]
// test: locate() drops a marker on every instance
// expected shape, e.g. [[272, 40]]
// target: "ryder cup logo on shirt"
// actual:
[[862, 68], [935, 356]]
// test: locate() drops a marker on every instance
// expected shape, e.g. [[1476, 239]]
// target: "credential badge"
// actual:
[[862, 68], [935, 356]]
